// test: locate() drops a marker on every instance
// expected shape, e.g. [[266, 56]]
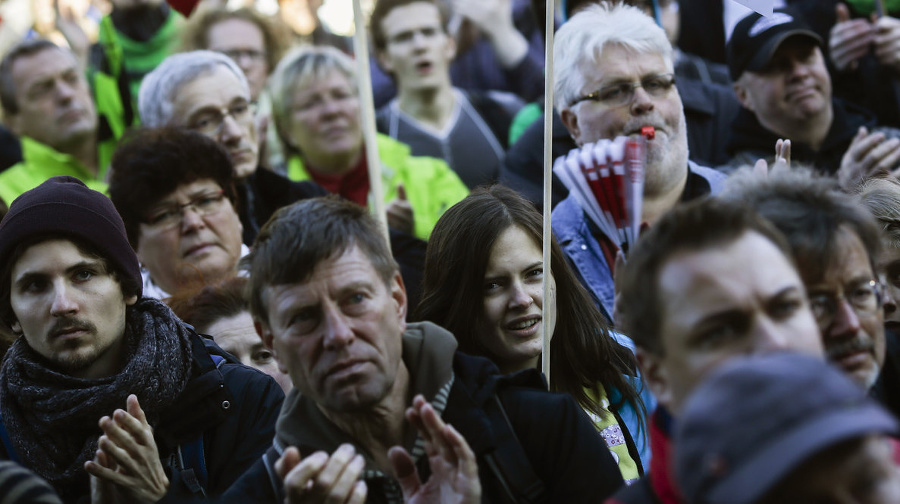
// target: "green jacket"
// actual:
[[431, 186], [118, 65], [40, 162]]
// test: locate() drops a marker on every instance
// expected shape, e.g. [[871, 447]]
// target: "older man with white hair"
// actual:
[[614, 76], [207, 92]]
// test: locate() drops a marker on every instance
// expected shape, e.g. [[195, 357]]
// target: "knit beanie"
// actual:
[[65, 206]]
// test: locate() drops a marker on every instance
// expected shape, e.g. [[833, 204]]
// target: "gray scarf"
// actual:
[[52, 418]]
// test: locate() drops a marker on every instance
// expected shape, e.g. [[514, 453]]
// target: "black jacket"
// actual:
[[564, 460], [233, 407], [265, 191], [230, 408], [750, 140]]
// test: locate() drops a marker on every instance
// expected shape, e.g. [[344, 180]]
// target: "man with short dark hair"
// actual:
[[468, 130], [104, 381], [781, 80], [835, 242], [47, 103], [689, 309], [328, 299]]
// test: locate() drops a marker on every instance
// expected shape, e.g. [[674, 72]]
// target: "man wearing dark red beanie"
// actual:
[[103, 382]]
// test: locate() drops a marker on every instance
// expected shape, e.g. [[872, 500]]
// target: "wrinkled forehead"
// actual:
[[716, 276], [844, 259], [51, 252], [617, 62], [45, 62]]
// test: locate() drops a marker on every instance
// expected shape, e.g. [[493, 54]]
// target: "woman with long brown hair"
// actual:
[[483, 282]]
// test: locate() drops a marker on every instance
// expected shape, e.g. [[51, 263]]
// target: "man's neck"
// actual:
[[811, 131], [657, 202], [379, 428], [432, 106], [85, 152]]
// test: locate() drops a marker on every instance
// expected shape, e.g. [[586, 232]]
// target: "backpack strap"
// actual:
[[509, 462], [189, 462], [269, 458], [218, 360]]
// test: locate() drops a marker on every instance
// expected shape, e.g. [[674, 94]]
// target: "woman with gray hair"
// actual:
[[205, 91], [316, 110], [881, 195]]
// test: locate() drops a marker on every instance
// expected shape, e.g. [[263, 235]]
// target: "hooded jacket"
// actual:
[[551, 454]]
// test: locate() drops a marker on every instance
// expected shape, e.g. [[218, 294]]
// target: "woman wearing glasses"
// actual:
[[483, 282], [175, 191]]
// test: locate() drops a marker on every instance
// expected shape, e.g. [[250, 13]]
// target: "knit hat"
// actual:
[[65, 206], [756, 419], [756, 38]]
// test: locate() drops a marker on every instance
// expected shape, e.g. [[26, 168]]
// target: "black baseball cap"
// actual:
[[756, 38], [756, 419]]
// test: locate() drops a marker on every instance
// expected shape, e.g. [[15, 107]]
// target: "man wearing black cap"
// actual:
[[782, 82], [784, 428], [105, 381]]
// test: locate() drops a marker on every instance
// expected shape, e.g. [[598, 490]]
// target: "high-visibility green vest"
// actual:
[[40, 162], [431, 186]]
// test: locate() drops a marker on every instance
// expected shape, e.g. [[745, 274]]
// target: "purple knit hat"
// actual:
[[67, 207]]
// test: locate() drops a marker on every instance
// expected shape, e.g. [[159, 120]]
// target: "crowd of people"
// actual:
[[198, 304]]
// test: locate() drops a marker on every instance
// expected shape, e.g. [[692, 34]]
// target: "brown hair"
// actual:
[[151, 163], [809, 209], [693, 227], [7, 84], [276, 35], [205, 305], [300, 236], [582, 351], [384, 7]]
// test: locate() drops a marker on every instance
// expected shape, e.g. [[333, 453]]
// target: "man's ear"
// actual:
[[741, 92], [12, 122], [451, 48], [16, 328], [398, 293], [384, 62], [265, 334], [655, 375], [570, 120]]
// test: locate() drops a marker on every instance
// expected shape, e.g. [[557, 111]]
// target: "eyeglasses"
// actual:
[[616, 95], [210, 121], [252, 55], [171, 216], [865, 298]]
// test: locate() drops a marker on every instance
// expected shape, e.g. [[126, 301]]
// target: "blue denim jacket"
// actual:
[[572, 229], [636, 422]]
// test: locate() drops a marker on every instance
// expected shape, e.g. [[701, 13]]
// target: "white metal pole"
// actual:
[[367, 107], [548, 318]]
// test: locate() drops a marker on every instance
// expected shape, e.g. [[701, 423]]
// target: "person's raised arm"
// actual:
[[454, 470]]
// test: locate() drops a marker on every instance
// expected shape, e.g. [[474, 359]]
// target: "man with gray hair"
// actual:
[[207, 92], [613, 77], [835, 241]]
